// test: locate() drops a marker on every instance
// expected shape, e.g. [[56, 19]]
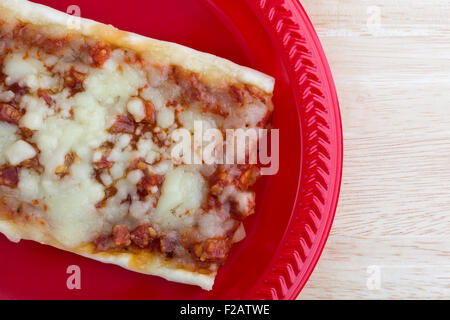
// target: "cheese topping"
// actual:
[[137, 109], [28, 72], [20, 151], [85, 137], [7, 138], [183, 193]]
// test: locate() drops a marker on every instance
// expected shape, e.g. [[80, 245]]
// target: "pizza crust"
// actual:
[[208, 66], [151, 264], [155, 266]]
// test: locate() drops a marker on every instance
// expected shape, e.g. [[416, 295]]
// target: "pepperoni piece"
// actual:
[[100, 53], [104, 163], [123, 124], [25, 133], [52, 45], [105, 150], [211, 202], [74, 81], [64, 169], [32, 164], [143, 235], [248, 177], [236, 94], [172, 103], [150, 112], [110, 192], [121, 236], [18, 91], [103, 243], [9, 114], [145, 186], [212, 250], [9, 177], [168, 243], [44, 94], [218, 181]]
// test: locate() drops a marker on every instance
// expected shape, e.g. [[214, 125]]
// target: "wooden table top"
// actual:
[[391, 64]]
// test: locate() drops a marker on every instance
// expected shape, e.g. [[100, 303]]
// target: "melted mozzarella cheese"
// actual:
[[211, 225], [71, 202], [71, 214], [140, 209], [121, 156], [112, 86], [36, 112], [189, 118], [165, 118], [147, 149], [117, 207], [29, 72], [7, 138], [155, 97], [20, 151], [137, 109], [29, 185], [17, 68], [182, 193]]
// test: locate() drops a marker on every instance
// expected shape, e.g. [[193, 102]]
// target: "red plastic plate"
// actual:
[[295, 208]]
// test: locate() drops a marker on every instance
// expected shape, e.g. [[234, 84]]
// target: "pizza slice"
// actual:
[[87, 119]]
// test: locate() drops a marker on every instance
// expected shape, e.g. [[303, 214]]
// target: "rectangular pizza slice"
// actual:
[[87, 119]]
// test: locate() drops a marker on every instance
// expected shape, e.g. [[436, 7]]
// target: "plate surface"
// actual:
[[295, 208]]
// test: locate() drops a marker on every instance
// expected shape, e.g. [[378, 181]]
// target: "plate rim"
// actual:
[[294, 262], [280, 281]]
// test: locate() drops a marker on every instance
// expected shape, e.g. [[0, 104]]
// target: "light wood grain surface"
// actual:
[[391, 63]]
